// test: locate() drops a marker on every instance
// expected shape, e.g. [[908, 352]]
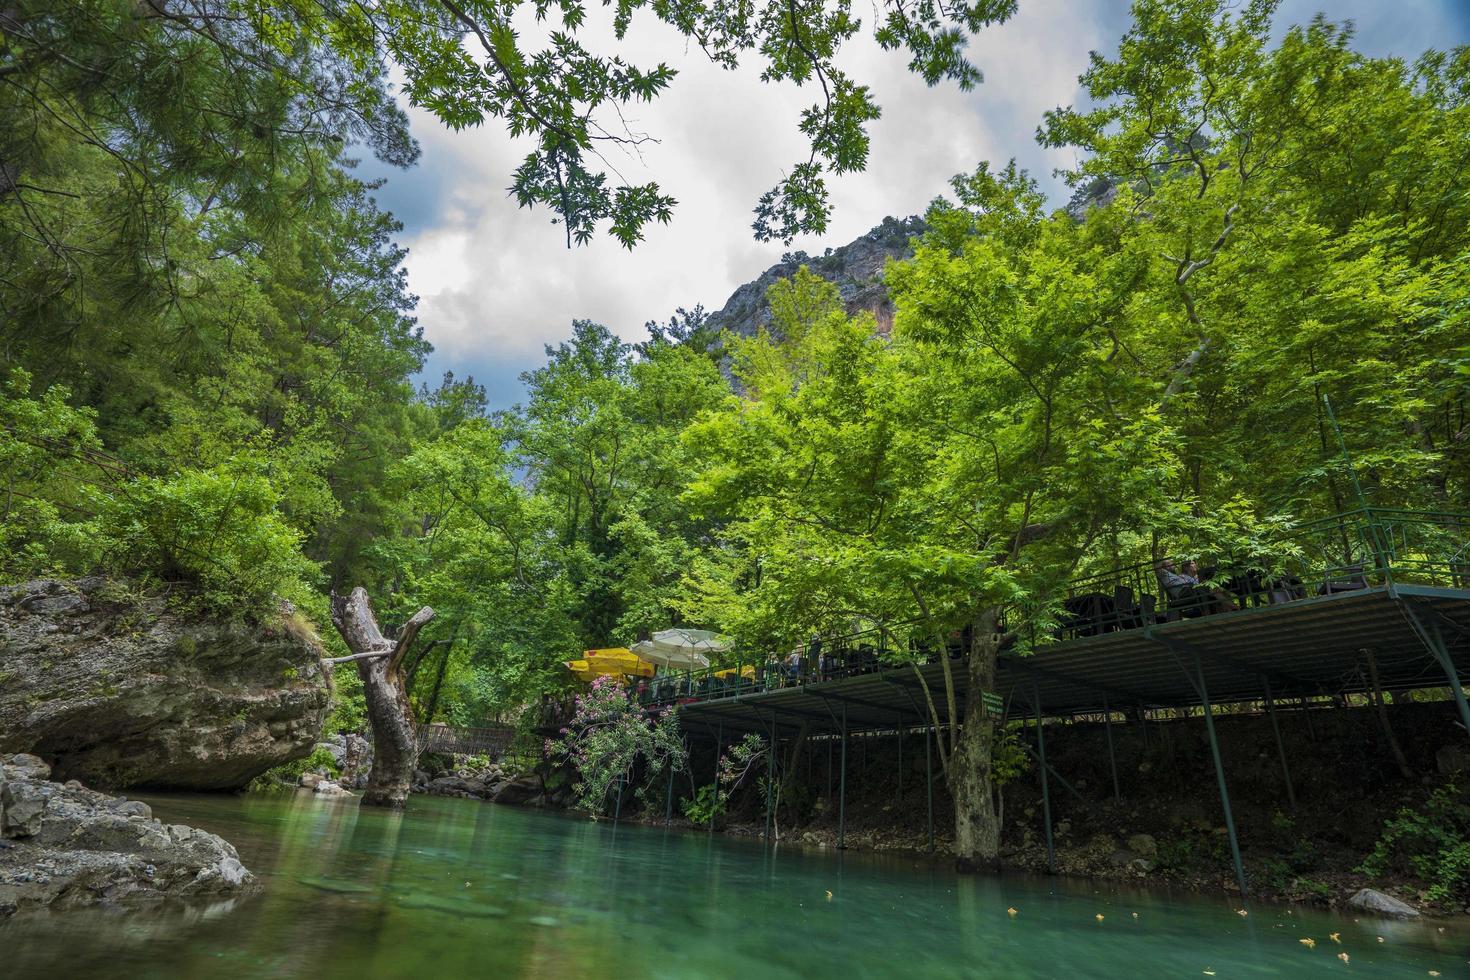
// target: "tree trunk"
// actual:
[[977, 826], [380, 665]]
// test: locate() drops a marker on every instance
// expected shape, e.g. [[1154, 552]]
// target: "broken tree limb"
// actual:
[[356, 656], [379, 665]]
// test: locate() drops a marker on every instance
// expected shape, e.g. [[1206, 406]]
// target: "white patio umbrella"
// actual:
[[679, 649]]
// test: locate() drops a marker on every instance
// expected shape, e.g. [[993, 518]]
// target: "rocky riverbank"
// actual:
[[1165, 826], [65, 846]]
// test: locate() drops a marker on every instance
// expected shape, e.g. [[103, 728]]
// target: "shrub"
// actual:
[[707, 806], [608, 737], [218, 528], [1431, 843]]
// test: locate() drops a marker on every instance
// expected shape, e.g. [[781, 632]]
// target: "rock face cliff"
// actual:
[[855, 268], [121, 690]]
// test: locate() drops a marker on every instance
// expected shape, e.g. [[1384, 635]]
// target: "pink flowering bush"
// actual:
[[607, 738]]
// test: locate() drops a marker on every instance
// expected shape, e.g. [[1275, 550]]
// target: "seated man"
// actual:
[[1186, 594]]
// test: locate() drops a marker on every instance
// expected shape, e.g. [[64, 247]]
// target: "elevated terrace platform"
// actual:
[[1311, 647]]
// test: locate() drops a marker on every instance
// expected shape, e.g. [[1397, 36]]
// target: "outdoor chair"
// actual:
[[1127, 612], [1351, 581]]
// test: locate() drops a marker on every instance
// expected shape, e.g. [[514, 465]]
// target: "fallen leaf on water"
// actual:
[[829, 896], [1209, 973], [1309, 943], [1435, 973], [1380, 939], [1343, 957], [1099, 917], [1011, 912], [1135, 915], [1241, 912], [1336, 937]]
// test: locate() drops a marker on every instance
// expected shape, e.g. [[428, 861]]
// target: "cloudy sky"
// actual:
[[496, 283]]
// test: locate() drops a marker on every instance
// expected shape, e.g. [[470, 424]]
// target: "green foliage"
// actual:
[[1430, 842], [218, 528], [229, 90], [707, 806], [288, 774]]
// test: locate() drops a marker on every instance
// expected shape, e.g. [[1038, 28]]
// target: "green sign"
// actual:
[[992, 702]]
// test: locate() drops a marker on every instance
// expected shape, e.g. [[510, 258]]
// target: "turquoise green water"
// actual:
[[458, 888]]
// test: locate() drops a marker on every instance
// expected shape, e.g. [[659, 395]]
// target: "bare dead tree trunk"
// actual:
[[380, 665]]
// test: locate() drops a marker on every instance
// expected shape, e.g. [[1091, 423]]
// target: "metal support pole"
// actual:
[[618, 803], [1280, 746], [929, 778], [770, 777], [1051, 857], [898, 784], [715, 800], [842, 793], [669, 796], [829, 768], [1307, 714], [1112, 758], [1143, 723], [1428, 631], [1204, 696]]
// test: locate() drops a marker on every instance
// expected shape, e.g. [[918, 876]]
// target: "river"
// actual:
[[460, 888]]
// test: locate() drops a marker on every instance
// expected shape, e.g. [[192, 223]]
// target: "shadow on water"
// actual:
[[454, 887]]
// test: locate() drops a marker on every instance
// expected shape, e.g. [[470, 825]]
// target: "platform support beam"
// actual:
[[1051, 857], [1433, 640], [1280, 745], [719, 741], [1112, 756], [929, 779], [842, 791], [770, 777], [1198, 680]]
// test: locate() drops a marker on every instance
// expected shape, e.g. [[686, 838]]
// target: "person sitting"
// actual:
[[1223, 601], [1186, 595]]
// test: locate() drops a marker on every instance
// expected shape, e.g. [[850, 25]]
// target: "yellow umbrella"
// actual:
[[747, 672], [618, 660], [583, 670]]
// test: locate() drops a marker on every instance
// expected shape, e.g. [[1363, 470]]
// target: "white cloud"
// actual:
[[497, 282]]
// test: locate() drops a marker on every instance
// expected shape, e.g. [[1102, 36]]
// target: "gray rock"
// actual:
[[135, 808], [329, 789], [88, 848], [1453, 758], [518, 791], [856, 269], [1378, 903], [122, 690], [1144, 846], [24, 766], [22, 808], [309, 780]]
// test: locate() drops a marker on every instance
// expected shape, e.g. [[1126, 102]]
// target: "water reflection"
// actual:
[[456, 887]]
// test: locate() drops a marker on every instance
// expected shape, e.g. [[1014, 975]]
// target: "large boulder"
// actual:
[[66, 846], [118, 689], [1378, 903]]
